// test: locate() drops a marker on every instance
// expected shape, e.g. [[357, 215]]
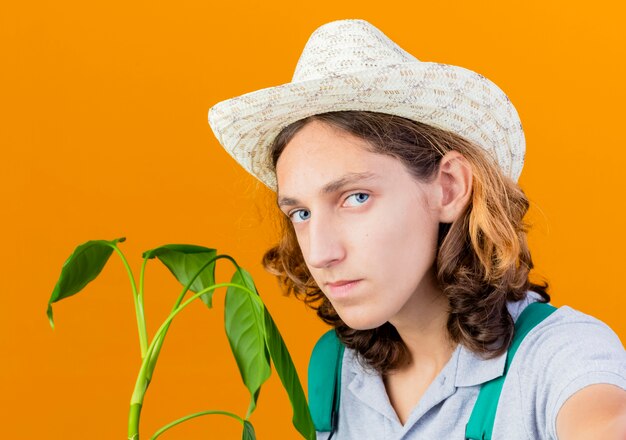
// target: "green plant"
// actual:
[[251, 331]]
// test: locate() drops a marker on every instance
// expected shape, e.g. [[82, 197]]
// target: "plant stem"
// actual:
[[133, 421], [144, 345], [141, 384], [191, 416], [141, 323], [154, 355]]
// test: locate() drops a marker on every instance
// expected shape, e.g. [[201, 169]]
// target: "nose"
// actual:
[[325, 243]]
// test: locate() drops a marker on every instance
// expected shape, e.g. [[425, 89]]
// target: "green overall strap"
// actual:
[[480, 425], [324, 381]]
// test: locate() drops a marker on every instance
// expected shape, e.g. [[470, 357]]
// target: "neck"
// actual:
[[422, 325]]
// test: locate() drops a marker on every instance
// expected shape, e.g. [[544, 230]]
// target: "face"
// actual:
[[361, 217]]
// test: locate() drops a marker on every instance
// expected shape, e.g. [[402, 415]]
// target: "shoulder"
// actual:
[[566, 352], [570, 333], [564, 330]]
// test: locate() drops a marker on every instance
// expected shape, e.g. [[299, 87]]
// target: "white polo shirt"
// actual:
[[566, 352]]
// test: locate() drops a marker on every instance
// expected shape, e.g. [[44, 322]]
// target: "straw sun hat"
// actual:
[[352, 65]]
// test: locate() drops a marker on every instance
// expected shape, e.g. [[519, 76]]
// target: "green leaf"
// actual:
[[184, 261], [244, 324], [248, 431], [289, 377], [82, 267]]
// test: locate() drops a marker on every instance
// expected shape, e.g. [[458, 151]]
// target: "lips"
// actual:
[[342, 289], [340, 283]]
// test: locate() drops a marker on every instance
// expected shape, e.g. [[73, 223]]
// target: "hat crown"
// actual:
[[345, 46], [350, 65]]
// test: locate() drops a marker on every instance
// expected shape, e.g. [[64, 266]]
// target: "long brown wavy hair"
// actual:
[[482, 259]]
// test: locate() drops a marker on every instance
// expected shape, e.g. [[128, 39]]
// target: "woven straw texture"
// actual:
[[352, 65]]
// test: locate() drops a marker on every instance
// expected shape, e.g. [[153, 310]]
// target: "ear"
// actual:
[[454, 183]]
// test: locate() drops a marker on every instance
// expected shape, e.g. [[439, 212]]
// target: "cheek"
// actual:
[[403, 247], [302, 244]]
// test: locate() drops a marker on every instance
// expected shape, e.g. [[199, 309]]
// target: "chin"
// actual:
[[359, 323]]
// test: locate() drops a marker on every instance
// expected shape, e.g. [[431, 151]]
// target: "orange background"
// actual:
[[105, 134]]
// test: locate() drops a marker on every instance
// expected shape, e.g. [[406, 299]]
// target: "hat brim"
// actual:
[[445, 96]]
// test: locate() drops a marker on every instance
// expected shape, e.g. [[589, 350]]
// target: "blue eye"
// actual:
[[296, 214], [291, 215], [361, 200]]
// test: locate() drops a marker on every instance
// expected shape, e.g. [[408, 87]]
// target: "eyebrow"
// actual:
[[331, 187]]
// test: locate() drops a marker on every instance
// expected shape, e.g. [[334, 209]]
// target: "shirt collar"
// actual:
[[472, 369], [469, 369], [368, 386]]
